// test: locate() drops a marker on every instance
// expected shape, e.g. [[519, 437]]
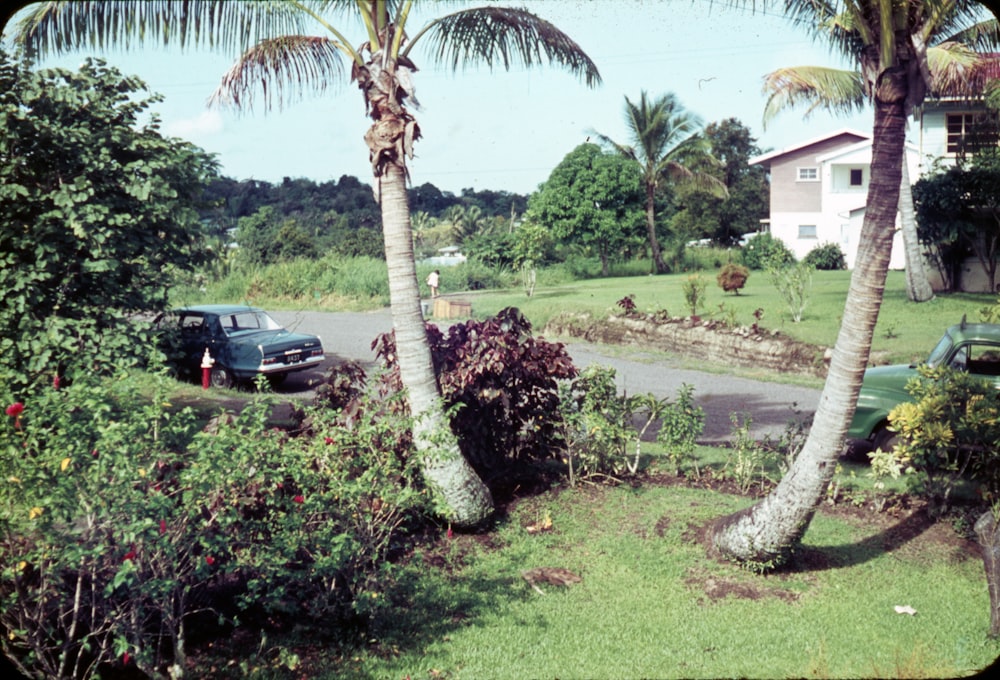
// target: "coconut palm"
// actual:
[[280, 61], [666, 143], [842, 91], [889, 38]]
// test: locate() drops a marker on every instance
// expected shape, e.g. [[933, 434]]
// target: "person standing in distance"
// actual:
[[433, 280]]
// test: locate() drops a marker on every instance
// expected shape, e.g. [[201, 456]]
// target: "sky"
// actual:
[[498, 130]]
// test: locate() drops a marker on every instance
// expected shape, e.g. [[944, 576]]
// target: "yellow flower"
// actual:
[[35, 512], [14, 480], [21, 565], [142, 472], [64, 464]]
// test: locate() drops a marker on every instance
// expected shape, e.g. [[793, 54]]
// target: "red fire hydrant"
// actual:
[[206, 369]]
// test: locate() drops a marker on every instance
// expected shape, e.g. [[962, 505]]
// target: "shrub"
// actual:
[[694, 292], [764, 251], [793, 283], [505, 382], [732, 277], [596, 428], [827, 257], [120, 523]]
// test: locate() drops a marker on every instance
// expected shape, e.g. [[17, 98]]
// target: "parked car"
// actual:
[[242, 341], [971, 347]]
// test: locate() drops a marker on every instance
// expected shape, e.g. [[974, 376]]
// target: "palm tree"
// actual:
[[665, 141], [842, 91], [889, 40], [280, 61]]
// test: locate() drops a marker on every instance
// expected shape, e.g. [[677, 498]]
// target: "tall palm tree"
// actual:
[[281, 61], [842, 91], [665, 140], [889, 39]]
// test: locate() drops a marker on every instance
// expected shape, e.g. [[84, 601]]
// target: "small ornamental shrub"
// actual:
[[596, 425], [827, 257], [793, 282], [627, 305], [506, 382], [732, 277], [764, 251], [694, 292]]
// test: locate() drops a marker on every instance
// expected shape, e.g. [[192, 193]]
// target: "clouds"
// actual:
[[202, 127]]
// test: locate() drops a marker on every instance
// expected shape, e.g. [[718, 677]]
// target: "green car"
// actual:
[[242, 342], [972, 347]]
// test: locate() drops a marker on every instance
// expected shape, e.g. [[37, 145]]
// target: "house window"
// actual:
[[808, 174], [807, 231], [969, 132], [857, 175]]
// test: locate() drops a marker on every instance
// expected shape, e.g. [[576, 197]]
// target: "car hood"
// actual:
[[889, 378]]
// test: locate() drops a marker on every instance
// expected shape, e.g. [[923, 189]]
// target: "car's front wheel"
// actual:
[[222, 378], [885, 439]]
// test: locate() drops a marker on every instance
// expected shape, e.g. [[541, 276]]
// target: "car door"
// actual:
[[983, 361]]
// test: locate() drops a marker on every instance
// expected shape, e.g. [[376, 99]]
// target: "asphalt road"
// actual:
[[347, 336]]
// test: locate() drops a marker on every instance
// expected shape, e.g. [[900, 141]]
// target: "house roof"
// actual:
[[864, 145], [765, 158]]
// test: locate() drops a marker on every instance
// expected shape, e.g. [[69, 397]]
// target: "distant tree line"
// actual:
[[296, 218]]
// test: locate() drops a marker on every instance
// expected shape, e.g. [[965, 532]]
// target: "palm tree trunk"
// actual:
[[654, 245], [918, 287], [764, 535], [987, 531], [444, 467]]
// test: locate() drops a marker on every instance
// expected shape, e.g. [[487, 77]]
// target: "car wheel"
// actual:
[[222, 378], [277, 380], [885, 439]]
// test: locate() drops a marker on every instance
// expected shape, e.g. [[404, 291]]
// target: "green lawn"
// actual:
[[906, 331], [654, 603]]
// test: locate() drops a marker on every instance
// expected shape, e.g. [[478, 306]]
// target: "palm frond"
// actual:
[[835, 90], [957, 71], [500, 36], [281, 70], [67, 25]]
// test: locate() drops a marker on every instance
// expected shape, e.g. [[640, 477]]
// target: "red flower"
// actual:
[[299, 499], [209, 560], [125, 658], [56, 381], [328, 440], [130, 555], [163, 526], [450, 534], [15, 409]]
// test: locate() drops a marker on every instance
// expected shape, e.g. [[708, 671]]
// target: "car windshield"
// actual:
[[243, 322], [940, 352]]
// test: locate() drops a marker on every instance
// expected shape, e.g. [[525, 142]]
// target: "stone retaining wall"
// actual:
[[708, 341]]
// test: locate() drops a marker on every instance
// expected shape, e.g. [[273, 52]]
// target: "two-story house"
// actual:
[[819, 190]]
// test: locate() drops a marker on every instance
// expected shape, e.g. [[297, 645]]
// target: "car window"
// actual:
[[192, 324], [984, 360], [960, 358], [242, 322], [939, 352]]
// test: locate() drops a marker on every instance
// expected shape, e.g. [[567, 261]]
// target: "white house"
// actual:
[[819, 190]]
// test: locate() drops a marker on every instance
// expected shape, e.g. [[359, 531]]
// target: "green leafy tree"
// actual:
[[725, 219], [282, 58], [889, 42], [98, 211], [959, 211], [665, 144], [591, 198]]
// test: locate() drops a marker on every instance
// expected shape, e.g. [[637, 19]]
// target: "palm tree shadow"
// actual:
[[809, 558]]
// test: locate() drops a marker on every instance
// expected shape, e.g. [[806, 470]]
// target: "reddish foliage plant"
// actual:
[[506, 381]]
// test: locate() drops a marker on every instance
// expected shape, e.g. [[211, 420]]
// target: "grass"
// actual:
[[898, 338], [653, 603]]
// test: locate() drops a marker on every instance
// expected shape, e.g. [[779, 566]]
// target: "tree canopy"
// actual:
[[98, 208], [593, 199]]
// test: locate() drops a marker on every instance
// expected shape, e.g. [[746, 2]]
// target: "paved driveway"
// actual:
[[348, 336]]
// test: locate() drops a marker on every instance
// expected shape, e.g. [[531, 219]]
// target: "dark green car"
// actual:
[[242, 342], [971, 347]]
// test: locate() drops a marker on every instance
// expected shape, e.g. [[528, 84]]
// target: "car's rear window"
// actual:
[[243, 322]]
